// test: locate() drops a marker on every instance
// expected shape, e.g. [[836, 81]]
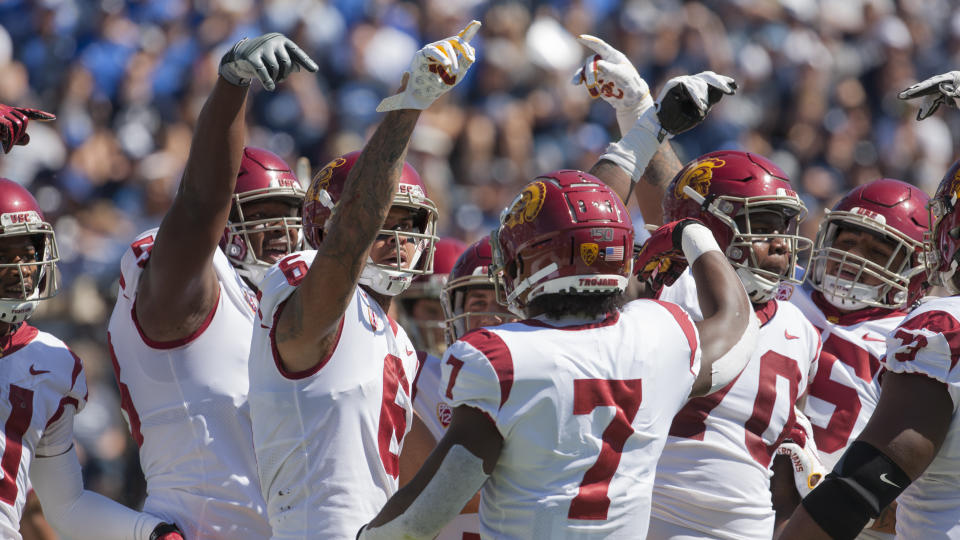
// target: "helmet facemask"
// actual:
[[16, 306], [740, 214], [941, 250], [846, 287], [453, 298], [238, 246], [392, 278]]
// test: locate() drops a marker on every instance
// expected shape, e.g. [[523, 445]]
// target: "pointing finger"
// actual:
[[300, 57], [37, 114], [597, 45], [469, 31]]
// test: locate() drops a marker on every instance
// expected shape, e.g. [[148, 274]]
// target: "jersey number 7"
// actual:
[[591, 501]]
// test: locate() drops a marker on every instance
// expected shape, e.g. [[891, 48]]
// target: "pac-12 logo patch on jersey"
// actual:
[[784, 292], [698, 177], [444, 414]]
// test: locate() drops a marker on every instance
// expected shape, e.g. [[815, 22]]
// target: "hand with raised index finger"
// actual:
[[610, 75], [434, 70], [14, 122], [269, 58]]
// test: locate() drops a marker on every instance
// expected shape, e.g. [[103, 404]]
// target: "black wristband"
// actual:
[[837, 509]]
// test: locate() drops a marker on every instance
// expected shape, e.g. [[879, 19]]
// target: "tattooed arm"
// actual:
[[650, 189], [649, 192], [319, 302]]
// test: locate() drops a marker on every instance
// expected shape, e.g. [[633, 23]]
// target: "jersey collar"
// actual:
[[765, 311], [20, 338], [848, 318]]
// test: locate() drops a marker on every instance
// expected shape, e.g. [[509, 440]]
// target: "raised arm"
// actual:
[[729, 329], [178, 287], [306, 329], [663, 166], [643, 150]]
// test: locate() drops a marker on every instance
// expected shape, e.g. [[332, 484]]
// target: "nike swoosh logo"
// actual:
[[410, 352], [885, 480], [788, 336], [866, 337], [35, 371]]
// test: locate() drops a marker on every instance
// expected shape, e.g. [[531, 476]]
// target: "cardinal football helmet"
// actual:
[[38, 279], [471, 271], [720, 187], [426, 334], [263, 175], [889, 209], [943, 250], [390, 279], [565, 233]]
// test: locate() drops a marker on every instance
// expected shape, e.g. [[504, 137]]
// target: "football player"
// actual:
[[420, 313], [180, 331], [866, 273], [43, 386], [560, 417], [468, 301], [909, 450], [330, 372], [713, 479]]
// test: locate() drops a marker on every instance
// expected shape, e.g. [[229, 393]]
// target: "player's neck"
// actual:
[[382, 300]]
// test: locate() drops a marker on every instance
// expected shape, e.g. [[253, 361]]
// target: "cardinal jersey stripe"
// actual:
[[497, 352]]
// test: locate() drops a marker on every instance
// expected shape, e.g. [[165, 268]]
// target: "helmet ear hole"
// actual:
[[512, 268]]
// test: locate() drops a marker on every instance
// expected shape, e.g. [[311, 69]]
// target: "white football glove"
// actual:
[[808, 470], [269, 58], [685, 101], [610, 75], [435, 69], [943, 88]]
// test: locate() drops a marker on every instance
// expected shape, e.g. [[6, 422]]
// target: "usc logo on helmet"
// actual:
[[698, 177], [322, 179], [955, 186], [527, 206]]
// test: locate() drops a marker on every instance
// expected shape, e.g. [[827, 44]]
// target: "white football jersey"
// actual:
[[185, 403], [928, 342], [40, 378], [428, 402], [846, 388], [328, 439], [714, 474], [584, 411], [433, 409]]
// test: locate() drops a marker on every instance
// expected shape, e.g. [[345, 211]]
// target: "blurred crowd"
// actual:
[[126, 79]]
